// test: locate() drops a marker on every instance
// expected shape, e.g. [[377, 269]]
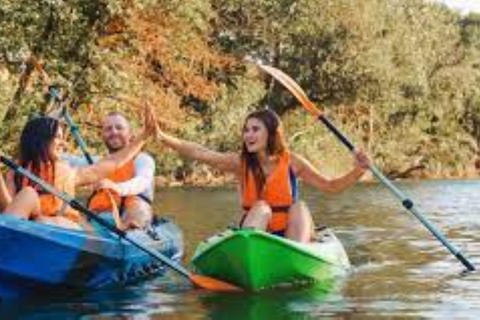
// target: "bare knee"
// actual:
[[300, 224], [261, 206], [299, 208], [25, 204], [138, 214], [27, 192], [261, 209], [258, 216]]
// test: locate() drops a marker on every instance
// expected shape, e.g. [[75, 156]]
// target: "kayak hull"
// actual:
[[35, 257], [256, 260]]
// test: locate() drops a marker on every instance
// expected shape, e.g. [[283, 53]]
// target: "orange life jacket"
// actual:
[[279, 191], [50, 205], [100, 200]]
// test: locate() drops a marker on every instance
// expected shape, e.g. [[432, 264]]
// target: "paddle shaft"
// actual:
[[90, 214], [406, 202], [76, 135], [199, 280], [54, 92]]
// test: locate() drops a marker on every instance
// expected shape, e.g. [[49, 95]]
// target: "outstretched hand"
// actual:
[[362, 161], [150, 126]]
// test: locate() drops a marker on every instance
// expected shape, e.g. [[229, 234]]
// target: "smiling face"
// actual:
[[262, 136], [255, 135], [116, 132], [56, 146]]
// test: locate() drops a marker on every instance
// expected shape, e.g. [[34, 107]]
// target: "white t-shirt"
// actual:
[[143, 181]]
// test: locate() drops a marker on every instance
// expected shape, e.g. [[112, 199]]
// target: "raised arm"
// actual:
[[310, 175], [107, 165], [229, 162]]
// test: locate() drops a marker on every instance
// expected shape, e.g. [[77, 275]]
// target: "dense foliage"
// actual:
[[400, 77]]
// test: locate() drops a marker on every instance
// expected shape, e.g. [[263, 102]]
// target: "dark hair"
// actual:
[[276, 145], [36, 136]]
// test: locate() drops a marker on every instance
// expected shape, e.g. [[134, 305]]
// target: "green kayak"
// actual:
[[256, 260]]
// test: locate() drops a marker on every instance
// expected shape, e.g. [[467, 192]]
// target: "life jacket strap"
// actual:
[[274, 209], [123, 201]]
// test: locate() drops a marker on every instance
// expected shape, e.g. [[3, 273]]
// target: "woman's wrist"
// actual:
[[167, 140], [160, 137]]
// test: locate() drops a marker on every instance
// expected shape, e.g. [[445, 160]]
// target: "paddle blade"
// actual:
[[293, 87], [115, 211], [212, 284]]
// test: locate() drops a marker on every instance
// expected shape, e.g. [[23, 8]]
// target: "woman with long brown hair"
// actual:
[[40, 149], [268, 172]]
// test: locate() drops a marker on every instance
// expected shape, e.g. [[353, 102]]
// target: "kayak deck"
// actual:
[[256, 260]]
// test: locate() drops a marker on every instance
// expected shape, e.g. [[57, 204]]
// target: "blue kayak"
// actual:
[[35, 257]]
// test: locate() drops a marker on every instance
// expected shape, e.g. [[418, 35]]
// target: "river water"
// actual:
[[399, 269]]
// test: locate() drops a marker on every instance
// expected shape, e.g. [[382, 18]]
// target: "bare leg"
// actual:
[[300, 223], [138, 214], [258, 216], [59, 222], [25, 204]]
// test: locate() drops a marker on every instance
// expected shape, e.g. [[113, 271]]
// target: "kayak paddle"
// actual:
[[199, 280], [407, 203], [55, 94]]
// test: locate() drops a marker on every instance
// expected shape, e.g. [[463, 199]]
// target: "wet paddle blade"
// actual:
[[115, 211], [212, 284]]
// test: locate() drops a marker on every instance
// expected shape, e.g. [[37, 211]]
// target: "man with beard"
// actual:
[[131, 186]]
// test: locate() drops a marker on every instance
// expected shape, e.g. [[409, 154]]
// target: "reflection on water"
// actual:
[[400, 270], [276, 304]]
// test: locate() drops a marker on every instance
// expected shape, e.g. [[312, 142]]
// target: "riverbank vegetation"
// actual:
[[401, 78]]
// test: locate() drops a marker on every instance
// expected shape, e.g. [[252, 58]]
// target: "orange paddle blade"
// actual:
[[293, 87], [115, 211], [212, 284]]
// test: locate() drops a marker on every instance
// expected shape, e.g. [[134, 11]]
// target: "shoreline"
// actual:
[[222, 181]]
